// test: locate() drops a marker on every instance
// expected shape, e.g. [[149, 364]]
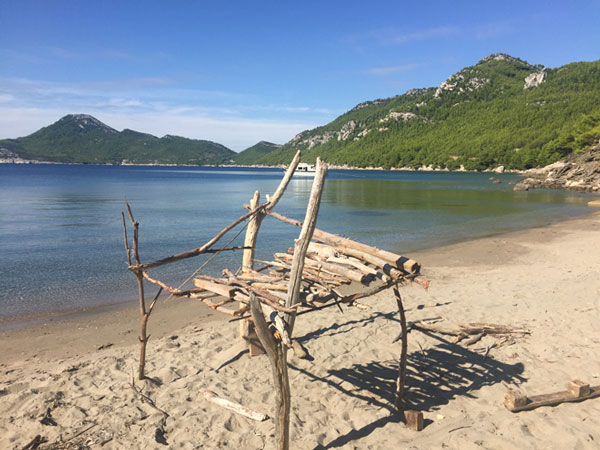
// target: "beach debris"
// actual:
[[414, 420], [47, 419], [473, 332], [35, 442], [577, 391], [233, 406], [104, 346]]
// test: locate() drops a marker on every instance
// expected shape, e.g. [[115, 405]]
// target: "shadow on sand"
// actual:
[[434, 377]]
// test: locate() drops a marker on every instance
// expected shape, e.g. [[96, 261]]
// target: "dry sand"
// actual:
[[545, 279]]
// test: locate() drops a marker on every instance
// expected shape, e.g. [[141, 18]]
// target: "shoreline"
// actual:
[[125, 314], [543, 279], [277, 166], [33, 320]]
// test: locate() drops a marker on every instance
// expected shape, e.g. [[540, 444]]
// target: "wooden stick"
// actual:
[[233, 406], [199, 250], [289, 173], [303, 240], [144, 314], [401, 380], [277, 356]]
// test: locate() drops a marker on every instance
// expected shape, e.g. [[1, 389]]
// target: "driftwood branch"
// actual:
[[199, 250], [303, 240], [277, 356], [289, 173], [233, 406], [401, 380], [398, 261]]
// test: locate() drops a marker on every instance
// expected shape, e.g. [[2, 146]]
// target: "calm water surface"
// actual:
[[61, 236]]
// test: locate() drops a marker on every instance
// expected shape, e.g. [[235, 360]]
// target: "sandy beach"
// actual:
[[77, 371]]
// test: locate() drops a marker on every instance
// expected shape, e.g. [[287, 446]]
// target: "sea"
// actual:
[[61, 228]]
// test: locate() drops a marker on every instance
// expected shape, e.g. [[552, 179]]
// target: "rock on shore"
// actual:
[[580, 172]]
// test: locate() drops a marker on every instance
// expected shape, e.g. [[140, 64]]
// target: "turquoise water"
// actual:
[[61, 237]]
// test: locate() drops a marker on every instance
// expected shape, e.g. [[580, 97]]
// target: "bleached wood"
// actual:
[[394, 259], [277, 354], [515, 401], [306, 233], [251, 235], [289, 173], [233, 406], [221, 289]]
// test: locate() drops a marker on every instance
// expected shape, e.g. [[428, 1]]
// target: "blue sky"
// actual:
[[238, 72]]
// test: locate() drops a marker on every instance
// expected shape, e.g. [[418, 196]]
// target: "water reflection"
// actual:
[[61, 235]]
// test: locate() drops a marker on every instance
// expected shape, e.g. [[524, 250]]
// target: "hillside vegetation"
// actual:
[[80, 138], [501, 111], [254, 153]]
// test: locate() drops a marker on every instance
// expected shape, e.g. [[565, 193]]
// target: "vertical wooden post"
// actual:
[[251, 235], [301, 246], [144, 313], [401, 380], [277, 353], [248, 257]]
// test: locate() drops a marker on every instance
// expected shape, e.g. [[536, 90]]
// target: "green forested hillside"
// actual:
[[501, 111], [252, 154], [80, 138]]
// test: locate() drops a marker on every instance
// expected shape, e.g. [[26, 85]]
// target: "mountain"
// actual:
[[252, 154], [501, 111], [81, 138]]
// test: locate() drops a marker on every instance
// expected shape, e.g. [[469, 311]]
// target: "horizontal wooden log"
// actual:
[[231, 309], [221, 289], [271, 286], [515, 401], [202, 295], [384, 265], [394, 259], [351, 274]]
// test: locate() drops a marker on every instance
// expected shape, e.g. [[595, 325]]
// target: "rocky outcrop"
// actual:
[[366, 104], [404, 116], [504, 57], [320, 139], [346, 130], [579, 172], [461, 84], [535, 79]]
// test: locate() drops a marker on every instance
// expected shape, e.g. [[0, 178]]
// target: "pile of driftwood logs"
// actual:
[[320, 271]]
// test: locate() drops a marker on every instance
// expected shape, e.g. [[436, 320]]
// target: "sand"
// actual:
[[546, 280]]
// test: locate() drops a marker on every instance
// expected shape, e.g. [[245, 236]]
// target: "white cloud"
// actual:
[[152, 105]]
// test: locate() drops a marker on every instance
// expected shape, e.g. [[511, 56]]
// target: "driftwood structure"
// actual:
[[321, 270]]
